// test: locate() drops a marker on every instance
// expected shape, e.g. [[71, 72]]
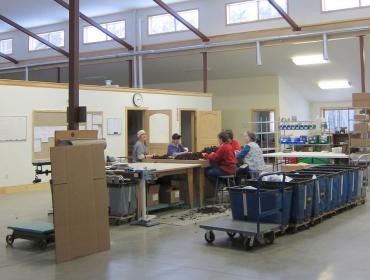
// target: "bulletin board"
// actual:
[[13, 128], [46, 122]]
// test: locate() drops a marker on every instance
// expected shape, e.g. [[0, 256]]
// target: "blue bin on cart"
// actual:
[[244, 204], [334, 186], [302, 202], [352, 180], [320, 191]]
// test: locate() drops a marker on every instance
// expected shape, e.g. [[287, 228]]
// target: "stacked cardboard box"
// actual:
[[152, 198], [170, 195]]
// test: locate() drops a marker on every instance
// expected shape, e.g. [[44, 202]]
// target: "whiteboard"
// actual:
[[13, 128]]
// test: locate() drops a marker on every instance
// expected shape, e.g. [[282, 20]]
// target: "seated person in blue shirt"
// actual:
[[175, 147]]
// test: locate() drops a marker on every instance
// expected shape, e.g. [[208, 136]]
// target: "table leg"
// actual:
[[191, 187], [142, 201], [202, 182]]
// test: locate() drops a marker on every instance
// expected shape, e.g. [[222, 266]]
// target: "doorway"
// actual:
[[187, 128], [134, 123]]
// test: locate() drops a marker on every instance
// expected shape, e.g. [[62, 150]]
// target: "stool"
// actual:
[[223, 182]]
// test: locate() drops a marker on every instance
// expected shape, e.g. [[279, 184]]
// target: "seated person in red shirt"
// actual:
[[233, 141], [223, 158]]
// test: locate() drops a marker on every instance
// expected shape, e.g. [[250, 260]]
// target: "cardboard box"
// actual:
[[361, 117], [361, 127], [293, 167], [80, 201], [361, 100], [169, 195], [360, 142], [152, 197]]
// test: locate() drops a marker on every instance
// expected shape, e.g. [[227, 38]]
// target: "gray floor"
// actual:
[[337, 249]]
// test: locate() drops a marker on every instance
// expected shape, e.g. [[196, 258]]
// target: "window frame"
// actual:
[[350, 122], [171, 32], [11, 38], [341, 10], [252, 21], [47, 47], [109, 38]]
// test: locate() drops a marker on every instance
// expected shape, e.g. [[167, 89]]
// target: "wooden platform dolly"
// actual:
[[41, 233]]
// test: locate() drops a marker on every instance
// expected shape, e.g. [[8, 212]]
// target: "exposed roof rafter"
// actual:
[[285, 15], [7, 57], [98, 26], [176, 15], [33, 35]]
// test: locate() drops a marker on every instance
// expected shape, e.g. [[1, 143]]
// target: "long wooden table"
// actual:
[[199, 172], [159, 170]]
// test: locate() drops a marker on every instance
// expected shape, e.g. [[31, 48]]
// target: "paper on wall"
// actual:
[[100, 133], [97, 119], [45, 132], [89, 121], [37, 145], [114, 126]]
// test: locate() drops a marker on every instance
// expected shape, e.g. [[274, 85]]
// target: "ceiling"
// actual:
[[344, 64], [33, 13]]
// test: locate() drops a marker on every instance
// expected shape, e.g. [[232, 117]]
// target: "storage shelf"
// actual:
[[306, 144]]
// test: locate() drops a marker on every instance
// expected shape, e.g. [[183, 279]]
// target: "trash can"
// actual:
[[122, 196], [244, 202]]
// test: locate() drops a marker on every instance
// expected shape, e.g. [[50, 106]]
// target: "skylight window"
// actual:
[[253, 10], [55, 37], [94, 35], [6, 46], [335, 5], [166, 23]]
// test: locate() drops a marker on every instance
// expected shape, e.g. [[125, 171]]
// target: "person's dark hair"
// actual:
[[230, 133], [224, 137]]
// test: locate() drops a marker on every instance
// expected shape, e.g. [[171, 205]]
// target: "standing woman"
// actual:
[[223, 159], [140, 150]]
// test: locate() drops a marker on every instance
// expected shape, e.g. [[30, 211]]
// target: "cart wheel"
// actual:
[[9, 239], [209, 236], [247, 243], [231, 234], [42, 244], [269, 238]]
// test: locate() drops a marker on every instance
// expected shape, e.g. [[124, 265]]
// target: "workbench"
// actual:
[[199, 173], [146, 170]]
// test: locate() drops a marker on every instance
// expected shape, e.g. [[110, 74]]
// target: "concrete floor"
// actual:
[[334, 250]]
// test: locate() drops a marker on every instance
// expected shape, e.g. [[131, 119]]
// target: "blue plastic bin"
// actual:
[[244, 204]]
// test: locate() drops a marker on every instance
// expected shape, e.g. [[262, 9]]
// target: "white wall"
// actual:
[[16, 157], [292, 102], [212, 22], [236, 98], [315, 108]]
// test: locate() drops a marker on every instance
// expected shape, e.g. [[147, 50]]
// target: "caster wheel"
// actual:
[[9, 240], [247, 243], [269, 238], [231, 234], [209, 236], [42, 244]]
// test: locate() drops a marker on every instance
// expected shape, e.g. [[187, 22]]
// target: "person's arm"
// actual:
[[170, 150], [243, 152], [217, 156]]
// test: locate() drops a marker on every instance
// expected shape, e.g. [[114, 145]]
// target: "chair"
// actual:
[[223, 182]]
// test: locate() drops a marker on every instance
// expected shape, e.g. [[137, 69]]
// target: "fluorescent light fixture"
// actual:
[[334, 84], [309, 59]]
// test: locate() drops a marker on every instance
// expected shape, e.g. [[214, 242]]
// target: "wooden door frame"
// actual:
[[126, 123], [194, 111]]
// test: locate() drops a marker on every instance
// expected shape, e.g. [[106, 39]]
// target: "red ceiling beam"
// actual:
[[3, 55], [176, 15], [285, 15], [98, 26], [33, 35]]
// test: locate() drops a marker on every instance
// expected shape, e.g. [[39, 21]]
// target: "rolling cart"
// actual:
[[41, 233], [252, 233]]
